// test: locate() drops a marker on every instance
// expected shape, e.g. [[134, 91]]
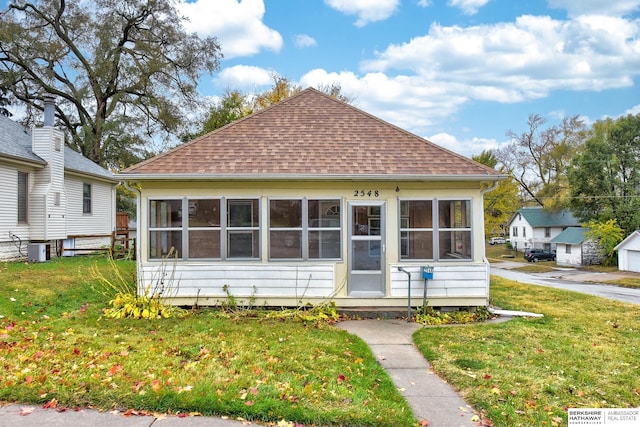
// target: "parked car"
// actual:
[[497, 241], [535, 255]]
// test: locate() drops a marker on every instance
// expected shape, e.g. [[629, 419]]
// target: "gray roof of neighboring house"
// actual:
[[571, 236], [538, 217], [15, 142]]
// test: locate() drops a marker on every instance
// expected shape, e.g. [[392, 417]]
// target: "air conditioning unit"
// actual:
[[37, 252]]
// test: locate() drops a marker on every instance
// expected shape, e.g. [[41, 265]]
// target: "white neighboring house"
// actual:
[[51, 194], [629, 253], [533, 227], [574, 249]]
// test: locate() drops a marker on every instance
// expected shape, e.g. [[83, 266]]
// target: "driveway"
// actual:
[[572, 280]]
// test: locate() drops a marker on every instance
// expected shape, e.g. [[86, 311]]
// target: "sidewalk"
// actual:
[[34, 416], [429, 397]]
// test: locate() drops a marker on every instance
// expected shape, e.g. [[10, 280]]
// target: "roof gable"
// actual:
[[539, 217], [311, 134]]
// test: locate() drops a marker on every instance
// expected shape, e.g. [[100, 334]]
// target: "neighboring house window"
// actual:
[[547, 232], [524, 232], [56, 198], [165, 227], [86, 198], [567, 249], [304, 229], [448, 238], [23, 197], [514, 231]]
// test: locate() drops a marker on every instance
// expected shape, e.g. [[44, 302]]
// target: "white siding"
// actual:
[[448, 281], [101, 220], [270, 280], [572, 259], [9, 212], [48, 220]]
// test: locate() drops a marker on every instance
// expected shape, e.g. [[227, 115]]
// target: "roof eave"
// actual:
[[23, 161], [303, 177], [110, 180]]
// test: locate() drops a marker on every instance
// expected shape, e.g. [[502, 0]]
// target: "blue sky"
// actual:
[[457, 72]]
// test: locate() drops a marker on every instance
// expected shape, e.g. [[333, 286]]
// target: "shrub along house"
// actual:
[[313, 200]]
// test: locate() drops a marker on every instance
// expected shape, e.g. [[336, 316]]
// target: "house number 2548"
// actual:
[[366, 193]]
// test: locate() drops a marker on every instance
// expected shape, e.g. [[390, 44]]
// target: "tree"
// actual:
[[607, 235], [115, 67], [538, 159], [500, 203], [605, 177], [4, 102]]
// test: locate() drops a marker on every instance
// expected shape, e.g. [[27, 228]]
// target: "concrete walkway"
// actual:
[[429, 397]]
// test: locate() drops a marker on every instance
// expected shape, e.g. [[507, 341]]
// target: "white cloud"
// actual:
[[596, 7], [468, 148], [404, 101], [244, 78], [633, 110], [527, 59], [303, 40], [424, 3], [237, 25], [367, 11], [468, 7]]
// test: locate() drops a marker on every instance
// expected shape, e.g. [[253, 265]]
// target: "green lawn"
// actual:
[[56, 347], [527, 372]]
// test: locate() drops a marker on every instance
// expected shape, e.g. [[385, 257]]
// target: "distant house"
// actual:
[[629, 253], [534, 227], [313, 200], [574, 249], [52, 196]]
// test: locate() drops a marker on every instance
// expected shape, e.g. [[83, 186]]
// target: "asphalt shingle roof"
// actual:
[[15, 142], [538, 217], [311, 134], [571, 236]]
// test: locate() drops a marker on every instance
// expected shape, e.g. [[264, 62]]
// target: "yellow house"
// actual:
[[314, 200]]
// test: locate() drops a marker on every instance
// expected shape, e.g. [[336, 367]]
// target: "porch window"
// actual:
[[23, 197], [211, 229], [323, 232], [435, 229], [165, 227], [454, 229], [416, 229], [204, 228], [304, 229], [243, 228]]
